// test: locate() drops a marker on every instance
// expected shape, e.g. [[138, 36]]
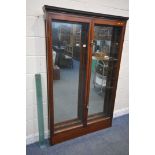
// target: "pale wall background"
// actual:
[[36, 58]]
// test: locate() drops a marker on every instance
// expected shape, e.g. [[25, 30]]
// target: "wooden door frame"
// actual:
[[95, 122]]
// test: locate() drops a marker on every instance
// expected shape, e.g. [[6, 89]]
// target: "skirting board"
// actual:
[[121, 112], [35, 137]]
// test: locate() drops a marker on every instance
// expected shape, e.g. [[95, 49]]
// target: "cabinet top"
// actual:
[[47, 8]]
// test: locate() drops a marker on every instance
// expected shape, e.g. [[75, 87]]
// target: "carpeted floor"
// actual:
[[66, 95], [110, 141]]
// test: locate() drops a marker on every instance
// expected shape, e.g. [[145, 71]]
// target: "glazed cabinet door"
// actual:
[[106, 47], [83, 61], [67, 58]]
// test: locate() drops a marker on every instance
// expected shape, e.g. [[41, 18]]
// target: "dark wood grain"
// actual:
[[50, 76], [79, 130], [48, 8]]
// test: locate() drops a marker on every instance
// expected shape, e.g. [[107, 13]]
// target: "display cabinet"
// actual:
[[83, 59]]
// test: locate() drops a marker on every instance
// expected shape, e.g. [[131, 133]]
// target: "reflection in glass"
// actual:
[[104, 56], [66, 40]]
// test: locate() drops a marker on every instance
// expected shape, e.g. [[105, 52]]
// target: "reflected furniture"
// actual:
[[56, 73], [99, 78]]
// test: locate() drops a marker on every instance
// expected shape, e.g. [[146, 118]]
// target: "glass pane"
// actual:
[[66, 44], [104, 60]]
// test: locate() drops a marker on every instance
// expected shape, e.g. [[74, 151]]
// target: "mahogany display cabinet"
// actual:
[[83, 59]]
